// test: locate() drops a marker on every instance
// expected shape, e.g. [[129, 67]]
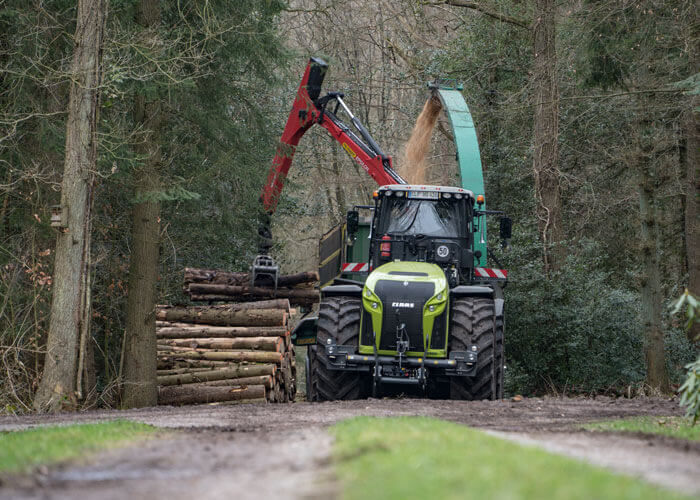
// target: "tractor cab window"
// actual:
[[431, 218]]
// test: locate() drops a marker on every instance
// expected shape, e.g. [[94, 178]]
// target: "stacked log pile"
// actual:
[[211, 285], [224, 353]]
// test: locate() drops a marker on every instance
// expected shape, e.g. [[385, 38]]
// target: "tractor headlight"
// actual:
[[437, 303], [447, 195], [370, 301]]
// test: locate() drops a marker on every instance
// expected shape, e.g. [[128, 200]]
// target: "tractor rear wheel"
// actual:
[[472, 323], [338, 319], [499, 357]]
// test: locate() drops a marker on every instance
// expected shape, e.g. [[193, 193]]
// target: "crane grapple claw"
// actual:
[[264, 272]]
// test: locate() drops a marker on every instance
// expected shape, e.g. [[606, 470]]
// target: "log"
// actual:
[[176, 371], [251, 356], [259, 304], [275, 344], [266, 380], [195, 297], [216, 276], [162, 348], [226, 373], [172, 363], [191, 331], [243, 290], [199, 394], [224, 317]]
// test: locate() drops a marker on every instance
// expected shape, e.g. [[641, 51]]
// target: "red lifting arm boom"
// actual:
[[308, 109]]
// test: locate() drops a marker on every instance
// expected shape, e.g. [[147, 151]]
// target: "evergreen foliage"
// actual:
[[690, 390], [581, 329]]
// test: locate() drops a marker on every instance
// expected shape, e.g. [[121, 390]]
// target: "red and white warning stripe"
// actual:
[[485, 272], [355, 267]]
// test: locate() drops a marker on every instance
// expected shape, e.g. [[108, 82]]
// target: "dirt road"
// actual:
[[282, 451]]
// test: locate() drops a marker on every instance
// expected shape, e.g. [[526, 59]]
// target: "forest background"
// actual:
[[588, 305]]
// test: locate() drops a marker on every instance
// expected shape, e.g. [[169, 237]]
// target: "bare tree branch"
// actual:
[[483, 9]]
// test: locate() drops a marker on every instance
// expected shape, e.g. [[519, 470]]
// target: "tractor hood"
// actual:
[[412, 272], [404, 295]]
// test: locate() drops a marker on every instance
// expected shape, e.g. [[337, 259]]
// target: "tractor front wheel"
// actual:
[[472, 322], [339, 320]]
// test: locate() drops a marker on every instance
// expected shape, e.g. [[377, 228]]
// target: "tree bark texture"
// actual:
[[246, 292], [215, 276], [651, 292], [189, 331], [545, 161], [224, 317], [242, 355], [201, 394], [692, 208], [244, 371], [179, 371], [139, 383], [266, 380], [169, 363], [253, 343], [71, 291], [260, 304]]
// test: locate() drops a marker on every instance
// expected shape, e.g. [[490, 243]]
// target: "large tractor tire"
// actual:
[[472, 322], [338, 319]]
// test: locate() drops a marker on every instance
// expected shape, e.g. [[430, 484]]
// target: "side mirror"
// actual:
[[353, 221], [506, 230]]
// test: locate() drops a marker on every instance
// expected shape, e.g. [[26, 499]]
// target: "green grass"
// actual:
[[677, 427], [409, 457], [22, 450]]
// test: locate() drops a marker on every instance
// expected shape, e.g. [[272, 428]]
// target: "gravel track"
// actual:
[[282, 451]]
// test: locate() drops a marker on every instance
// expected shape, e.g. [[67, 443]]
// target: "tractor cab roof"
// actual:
[[421, 188]]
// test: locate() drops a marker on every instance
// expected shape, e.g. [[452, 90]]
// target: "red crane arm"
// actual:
[[309, 109]]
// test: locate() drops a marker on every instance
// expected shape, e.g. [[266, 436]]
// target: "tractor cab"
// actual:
[[425, 224]]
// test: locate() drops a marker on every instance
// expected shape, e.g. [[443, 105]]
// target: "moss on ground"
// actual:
[[22, 450], [415, 457]]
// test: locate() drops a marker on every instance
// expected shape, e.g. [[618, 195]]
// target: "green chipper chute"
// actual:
[[467, 146]]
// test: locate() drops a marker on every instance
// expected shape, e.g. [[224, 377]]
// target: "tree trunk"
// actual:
[[139, 387], [248, 293], [545, 161], [179, 371], [225, 373], [216, 276], [239, 356], [224, 317], [201, 394], [692, 209], [651, 292], [168, 363], [260, 304], [189, 331], [71, 266], [254, 343], [267, 380]]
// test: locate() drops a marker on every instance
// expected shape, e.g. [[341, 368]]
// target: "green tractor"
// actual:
[[426, 316]]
